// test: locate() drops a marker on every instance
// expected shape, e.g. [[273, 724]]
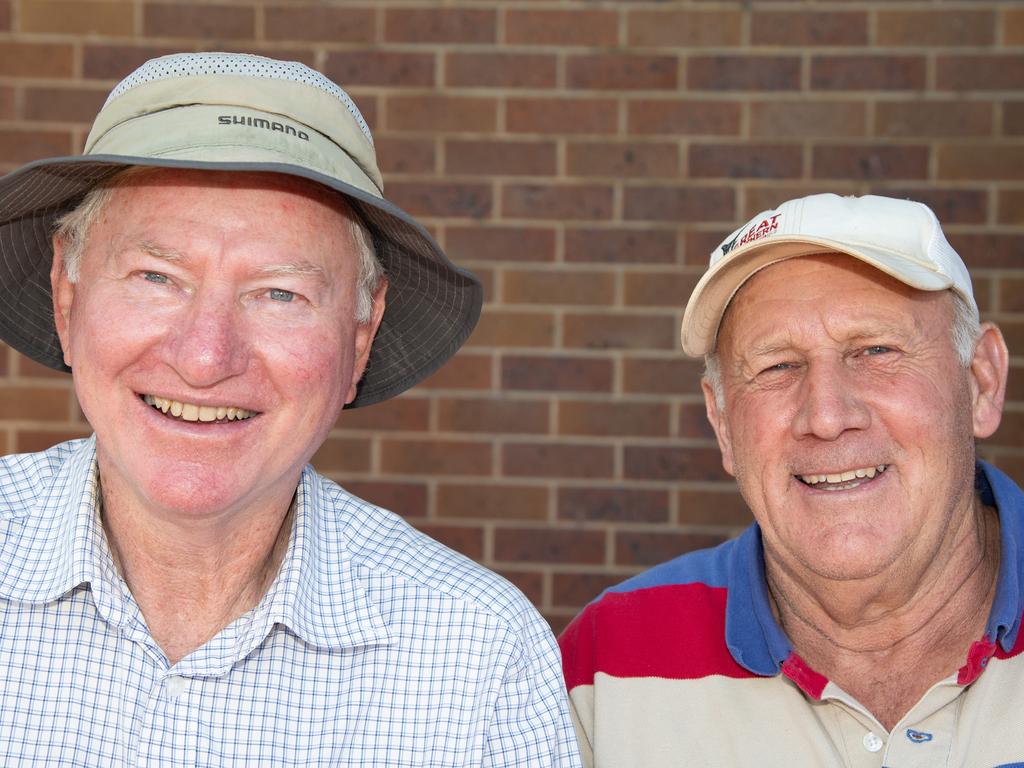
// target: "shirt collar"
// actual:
[[758, 643]]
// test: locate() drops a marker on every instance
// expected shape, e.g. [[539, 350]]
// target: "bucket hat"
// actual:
[[239, 112], [902, 238]]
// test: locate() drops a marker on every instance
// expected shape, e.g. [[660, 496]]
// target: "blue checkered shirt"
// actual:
[[375, 646]]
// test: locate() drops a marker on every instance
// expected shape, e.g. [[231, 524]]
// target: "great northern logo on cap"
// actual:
[[762, 229]]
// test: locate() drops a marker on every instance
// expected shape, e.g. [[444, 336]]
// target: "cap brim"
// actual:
[[714, 291], [432, 305]]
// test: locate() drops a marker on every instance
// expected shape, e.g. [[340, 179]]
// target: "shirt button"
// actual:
[[872, 743], [175, 686]]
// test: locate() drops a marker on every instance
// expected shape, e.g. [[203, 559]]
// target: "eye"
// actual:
[[777, 367], [279, 294], [876, 349], [155, 277]]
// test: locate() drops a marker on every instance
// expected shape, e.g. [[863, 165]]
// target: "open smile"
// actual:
[[843, 481], [193, 412]]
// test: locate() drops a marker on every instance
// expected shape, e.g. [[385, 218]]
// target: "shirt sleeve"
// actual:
[[531, 726]]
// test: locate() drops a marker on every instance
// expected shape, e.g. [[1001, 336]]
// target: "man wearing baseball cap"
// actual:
[[871, 614], [222, 275]]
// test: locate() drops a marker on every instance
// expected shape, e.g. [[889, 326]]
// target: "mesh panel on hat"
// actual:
[[242, 64]]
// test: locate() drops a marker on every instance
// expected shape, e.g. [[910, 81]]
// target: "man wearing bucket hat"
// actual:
[[871, 614], [182, 588]]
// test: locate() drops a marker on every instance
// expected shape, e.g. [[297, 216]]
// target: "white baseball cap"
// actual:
[[902, 238]]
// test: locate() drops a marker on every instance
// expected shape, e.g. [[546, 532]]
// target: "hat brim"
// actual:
[[432, 305], [714, 291]]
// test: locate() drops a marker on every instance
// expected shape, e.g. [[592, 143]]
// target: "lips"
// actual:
[[195, 412]]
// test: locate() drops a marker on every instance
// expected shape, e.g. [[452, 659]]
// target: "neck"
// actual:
[[192, 578], [865, 633]]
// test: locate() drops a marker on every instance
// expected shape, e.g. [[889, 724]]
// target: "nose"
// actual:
[[829, 403], [208, 345]]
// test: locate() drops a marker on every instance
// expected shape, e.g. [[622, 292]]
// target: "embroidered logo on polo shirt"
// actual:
[[918, 737]]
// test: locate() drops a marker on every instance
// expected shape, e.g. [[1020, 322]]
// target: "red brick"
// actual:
[[1013, 26], [932, 27], [530, 583], [433, 113], [517, 244], [113, 62], [506, 416], [367, 104], [556, 374], [561, 202], [613, 418], [652, 547], [684, 29], [5, 15], [987, 250], [693, 421], [620, 331], [442, 199], [435, 457], [758, 199], [26, 368], [707, 507], [952, 206], [1011, 295], [622, 72], [984, 162], [500, 158], [36, 59], [22, 146], [439, 25], [658, 289], [317, 23], [384, 68], [868, 73], [501, 70], [463, 372], [1011, 209], [622, 159], [492, 501], [679, 204], [870, 162], [759, 161], [577, 589], [32, 440], [698, 244], [569, 116], [569, 287], [513, 329], [561, 28], [549, 545], [413, 156], [807, 119], [66, 105], [343, 454], [620, 505], [808, 28], [1013, 332], [8, 106], [743, 73], [198, 21], [405, 499], [1013, 118], [467, 539], [984, 72], [620, 246], [557, 460], [916, 119], [80, 17], [683, 118], [673, 463], [402, 413]]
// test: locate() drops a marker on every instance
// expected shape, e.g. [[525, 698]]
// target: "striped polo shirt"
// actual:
[[685, 665]]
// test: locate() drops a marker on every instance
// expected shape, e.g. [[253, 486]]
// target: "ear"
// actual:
[[364, 336], [719, 424], [63, 292], [988, 374]]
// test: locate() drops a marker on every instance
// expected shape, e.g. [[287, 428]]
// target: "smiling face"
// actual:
[[848, 421], [212, 336]]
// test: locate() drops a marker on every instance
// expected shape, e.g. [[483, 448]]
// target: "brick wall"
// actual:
[[582, 158]]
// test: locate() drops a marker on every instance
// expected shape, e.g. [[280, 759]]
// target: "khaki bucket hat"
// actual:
[[238, 112]]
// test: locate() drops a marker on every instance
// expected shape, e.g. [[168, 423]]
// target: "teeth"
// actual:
[[844, 477], [192, 412]]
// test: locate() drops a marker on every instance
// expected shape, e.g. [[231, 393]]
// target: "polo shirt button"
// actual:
[[872, 743]]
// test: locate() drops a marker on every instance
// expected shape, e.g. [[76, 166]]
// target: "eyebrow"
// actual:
[[292, 268], [160, 252]]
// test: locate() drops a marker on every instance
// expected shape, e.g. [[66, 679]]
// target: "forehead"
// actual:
[[832, 291]]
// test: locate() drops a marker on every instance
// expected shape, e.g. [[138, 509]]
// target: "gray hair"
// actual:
[[966, 328], [72, 229]]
